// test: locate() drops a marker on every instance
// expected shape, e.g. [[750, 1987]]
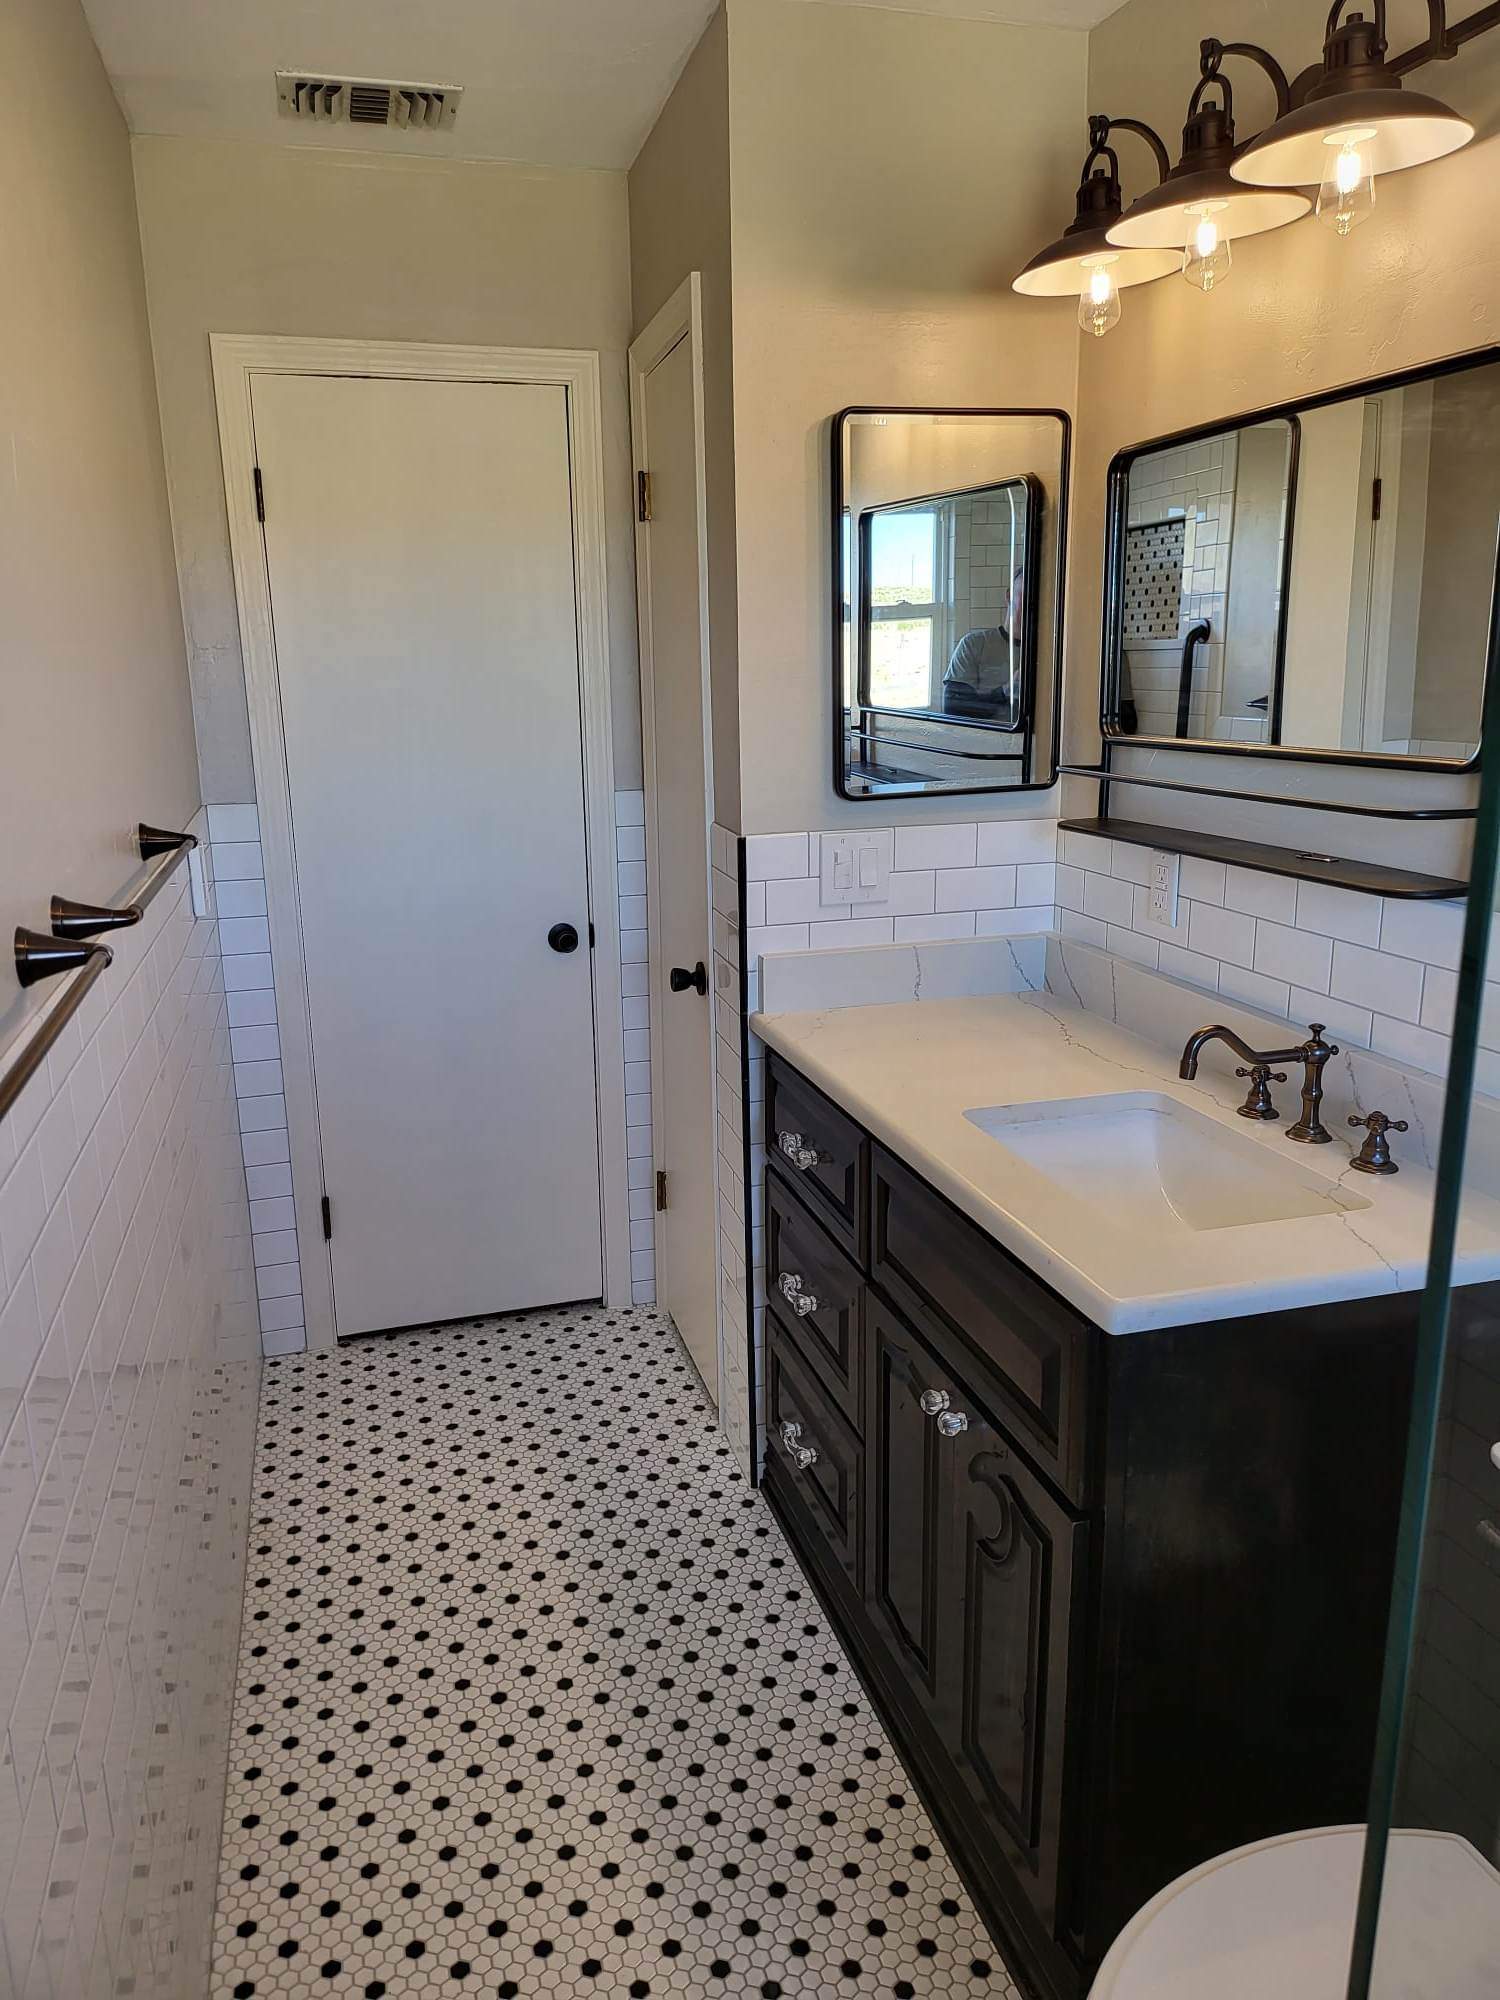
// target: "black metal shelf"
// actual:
[[1372, 876], [1109, 775]]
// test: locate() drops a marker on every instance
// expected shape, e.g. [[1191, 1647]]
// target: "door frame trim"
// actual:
[[681, 318], [236, 358]]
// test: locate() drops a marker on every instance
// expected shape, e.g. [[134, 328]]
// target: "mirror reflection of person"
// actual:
[[983, 677]]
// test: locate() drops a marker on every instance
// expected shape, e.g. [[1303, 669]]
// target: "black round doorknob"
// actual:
[[682, 981], [563, 937]]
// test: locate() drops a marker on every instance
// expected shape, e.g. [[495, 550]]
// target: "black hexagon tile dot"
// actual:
[[533, 1699]]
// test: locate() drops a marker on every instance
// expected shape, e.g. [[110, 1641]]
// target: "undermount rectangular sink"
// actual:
[[1143, 1156]]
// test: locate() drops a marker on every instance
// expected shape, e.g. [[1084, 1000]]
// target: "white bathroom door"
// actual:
[[419, 548], [671, 574]]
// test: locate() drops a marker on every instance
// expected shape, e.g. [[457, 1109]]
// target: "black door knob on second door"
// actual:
[[563, 937], [681, 980]]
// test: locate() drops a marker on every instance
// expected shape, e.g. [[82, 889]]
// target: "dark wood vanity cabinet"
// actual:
[[1121, 1601]]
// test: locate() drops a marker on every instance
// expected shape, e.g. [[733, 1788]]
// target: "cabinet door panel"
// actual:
[[906, 1497], [1014, 1570]]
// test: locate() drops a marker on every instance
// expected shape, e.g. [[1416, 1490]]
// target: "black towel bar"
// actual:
[[66, 949]]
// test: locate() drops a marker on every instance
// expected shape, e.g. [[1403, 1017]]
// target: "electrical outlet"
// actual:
[[1161, 890]]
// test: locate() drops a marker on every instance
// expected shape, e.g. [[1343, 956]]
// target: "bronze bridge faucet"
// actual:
[[1313, 1054]]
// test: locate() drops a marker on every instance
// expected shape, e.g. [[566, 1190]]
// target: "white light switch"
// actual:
[[856, 867]]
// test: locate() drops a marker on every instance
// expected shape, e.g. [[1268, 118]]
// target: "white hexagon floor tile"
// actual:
[[534, 1700]]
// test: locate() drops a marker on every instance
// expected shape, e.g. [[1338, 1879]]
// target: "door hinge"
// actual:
[[1377, 495], [327, 1220], [661, 1190], [260, 496], [643, 496], [591, 937]]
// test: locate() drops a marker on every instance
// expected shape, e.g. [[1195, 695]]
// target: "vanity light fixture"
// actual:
[[1083, 261], [1200, 207], [1355, 120]]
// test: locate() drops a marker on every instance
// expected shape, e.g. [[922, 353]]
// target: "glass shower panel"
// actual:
[[1428, 1925]]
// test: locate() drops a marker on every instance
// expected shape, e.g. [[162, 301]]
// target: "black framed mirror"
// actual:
[[1316, 580], [947, 599]]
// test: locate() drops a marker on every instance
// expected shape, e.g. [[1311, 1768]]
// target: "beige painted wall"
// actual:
[[95, 717], [679, 223], [278, 239], [1301, 312], [889, 172]]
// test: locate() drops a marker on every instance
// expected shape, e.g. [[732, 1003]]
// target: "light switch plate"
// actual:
[[855, 867]]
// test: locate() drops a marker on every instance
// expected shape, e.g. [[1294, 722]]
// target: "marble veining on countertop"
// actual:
[[909, 1073]]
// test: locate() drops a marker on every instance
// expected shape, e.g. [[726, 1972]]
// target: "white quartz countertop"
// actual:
[[909, 1073]]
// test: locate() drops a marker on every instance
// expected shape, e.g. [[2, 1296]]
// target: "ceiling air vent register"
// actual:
[[365, 100]]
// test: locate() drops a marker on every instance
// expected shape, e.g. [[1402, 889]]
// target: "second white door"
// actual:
[[671, 576], [419, 549]]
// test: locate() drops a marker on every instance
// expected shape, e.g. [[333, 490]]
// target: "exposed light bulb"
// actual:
[[1099, 302], [1347, 196], [1208, 256]]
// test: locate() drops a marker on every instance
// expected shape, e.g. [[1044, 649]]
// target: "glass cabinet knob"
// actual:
[[803, 1456], [789, 1284]]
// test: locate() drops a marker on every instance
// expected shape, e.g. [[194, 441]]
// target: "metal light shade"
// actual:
[[1166, 217], [1168, 214], [1357, 93], [1062, 270], [1407, 129]]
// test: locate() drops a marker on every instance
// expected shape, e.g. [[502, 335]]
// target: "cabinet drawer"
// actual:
[[827, 1486], [820, 1297], [961, 1289], [820, 1151]]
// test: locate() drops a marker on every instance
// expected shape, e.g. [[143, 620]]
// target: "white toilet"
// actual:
[[1275, 1921]]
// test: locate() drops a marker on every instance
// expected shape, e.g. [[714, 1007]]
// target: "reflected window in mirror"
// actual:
[[1318, 580], [946, 626], [948, 568]]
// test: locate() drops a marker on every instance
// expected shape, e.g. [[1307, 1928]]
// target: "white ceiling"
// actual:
[[565, 83], [1046, 13]]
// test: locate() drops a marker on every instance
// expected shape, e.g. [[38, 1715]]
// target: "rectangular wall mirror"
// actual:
[[1315, 580], [947, 581]]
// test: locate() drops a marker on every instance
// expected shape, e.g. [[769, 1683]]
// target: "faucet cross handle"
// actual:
[[1374, 1157], [1258, 1102]]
